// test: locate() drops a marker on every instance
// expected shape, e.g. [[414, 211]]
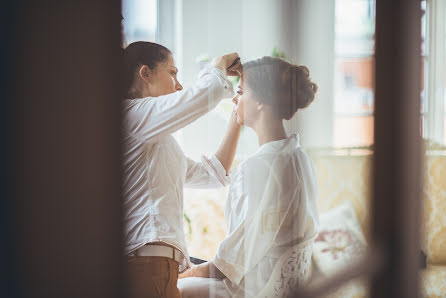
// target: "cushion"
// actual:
[[345, 178], [340, 240], [434, 208]]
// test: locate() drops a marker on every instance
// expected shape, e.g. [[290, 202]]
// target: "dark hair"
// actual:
[[141, 53], [283, 86]]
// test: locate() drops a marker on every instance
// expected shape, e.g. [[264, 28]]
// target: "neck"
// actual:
[[134, 94], [138, 90], [270, 130]]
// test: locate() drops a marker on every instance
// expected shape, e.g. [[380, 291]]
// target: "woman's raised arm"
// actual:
[[228, 146]]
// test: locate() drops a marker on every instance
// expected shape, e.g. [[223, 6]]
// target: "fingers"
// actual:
[[233, 73], [235, 69], [236, 66], [229, 63], [236, 61], [231, 59], [184, 274]]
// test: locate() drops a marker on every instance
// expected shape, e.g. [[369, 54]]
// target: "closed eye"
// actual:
[[174, 71]]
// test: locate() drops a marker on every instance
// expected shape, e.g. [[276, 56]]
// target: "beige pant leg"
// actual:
[[152, 277]]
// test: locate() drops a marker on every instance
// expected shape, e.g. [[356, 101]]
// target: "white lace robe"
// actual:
[[271, 206]]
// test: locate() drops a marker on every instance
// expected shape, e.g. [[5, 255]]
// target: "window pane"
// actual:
[[354, 72], [423, 28], [353, 131], [424, 78], [423, 125], [354, 31], [433, 70], [354, 86], [140, 20]]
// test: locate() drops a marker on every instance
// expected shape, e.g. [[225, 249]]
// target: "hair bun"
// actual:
[[284, 86], [301, 90], [305, 88]]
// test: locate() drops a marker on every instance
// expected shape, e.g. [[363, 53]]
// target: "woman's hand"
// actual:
[[187, 273], [201, 270], [207, 269], [226, 62]]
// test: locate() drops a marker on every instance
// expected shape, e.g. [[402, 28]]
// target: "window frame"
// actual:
[[435, 73]]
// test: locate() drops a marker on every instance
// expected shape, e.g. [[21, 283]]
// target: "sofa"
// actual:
[[345, 177]]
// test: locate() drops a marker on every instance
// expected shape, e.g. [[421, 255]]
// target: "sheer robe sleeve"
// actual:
[[264, 213]]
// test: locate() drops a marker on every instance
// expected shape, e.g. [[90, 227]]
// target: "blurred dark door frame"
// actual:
[[64, 142], [397, 157]]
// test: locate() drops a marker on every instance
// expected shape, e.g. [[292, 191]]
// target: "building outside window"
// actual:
[[354, 66], [354, 72]]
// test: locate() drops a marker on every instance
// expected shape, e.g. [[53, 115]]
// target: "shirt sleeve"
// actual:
[[148, 118], [209, 173]]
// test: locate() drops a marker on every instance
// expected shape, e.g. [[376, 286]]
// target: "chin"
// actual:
[[167, 92]]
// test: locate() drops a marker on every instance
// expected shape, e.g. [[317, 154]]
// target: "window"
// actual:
[[140, 20], [434, 59], [354, 64], [354, 72]]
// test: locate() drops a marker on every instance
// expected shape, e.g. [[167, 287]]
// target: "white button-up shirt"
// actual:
[[155, 168], [271, 206]]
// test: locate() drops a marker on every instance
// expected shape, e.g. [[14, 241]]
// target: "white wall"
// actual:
[[211, 28], [250, 27], [304, 29], [312, 37]]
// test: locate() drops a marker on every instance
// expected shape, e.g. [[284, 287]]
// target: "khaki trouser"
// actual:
[[152, 277]]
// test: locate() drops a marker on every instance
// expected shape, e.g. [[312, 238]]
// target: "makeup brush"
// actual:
[[235, 62]]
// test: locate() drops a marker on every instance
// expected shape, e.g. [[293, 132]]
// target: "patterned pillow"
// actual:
[[340, 240]]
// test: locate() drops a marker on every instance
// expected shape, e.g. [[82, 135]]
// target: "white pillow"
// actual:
[[340, 240]]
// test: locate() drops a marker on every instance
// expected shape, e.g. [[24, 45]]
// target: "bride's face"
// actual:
[[246, 106]]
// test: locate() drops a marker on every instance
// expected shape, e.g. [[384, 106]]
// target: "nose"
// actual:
[[235, 99], [178, 86]]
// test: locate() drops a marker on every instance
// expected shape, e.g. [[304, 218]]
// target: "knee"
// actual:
[[185, 287]]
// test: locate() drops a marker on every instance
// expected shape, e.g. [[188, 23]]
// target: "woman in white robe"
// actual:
[[272, 197]]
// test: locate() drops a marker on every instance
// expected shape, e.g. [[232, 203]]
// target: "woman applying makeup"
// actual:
[[156, 170]]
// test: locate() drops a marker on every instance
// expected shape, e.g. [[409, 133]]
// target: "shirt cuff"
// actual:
[[214, 166], [234, 274], [210, 69]]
